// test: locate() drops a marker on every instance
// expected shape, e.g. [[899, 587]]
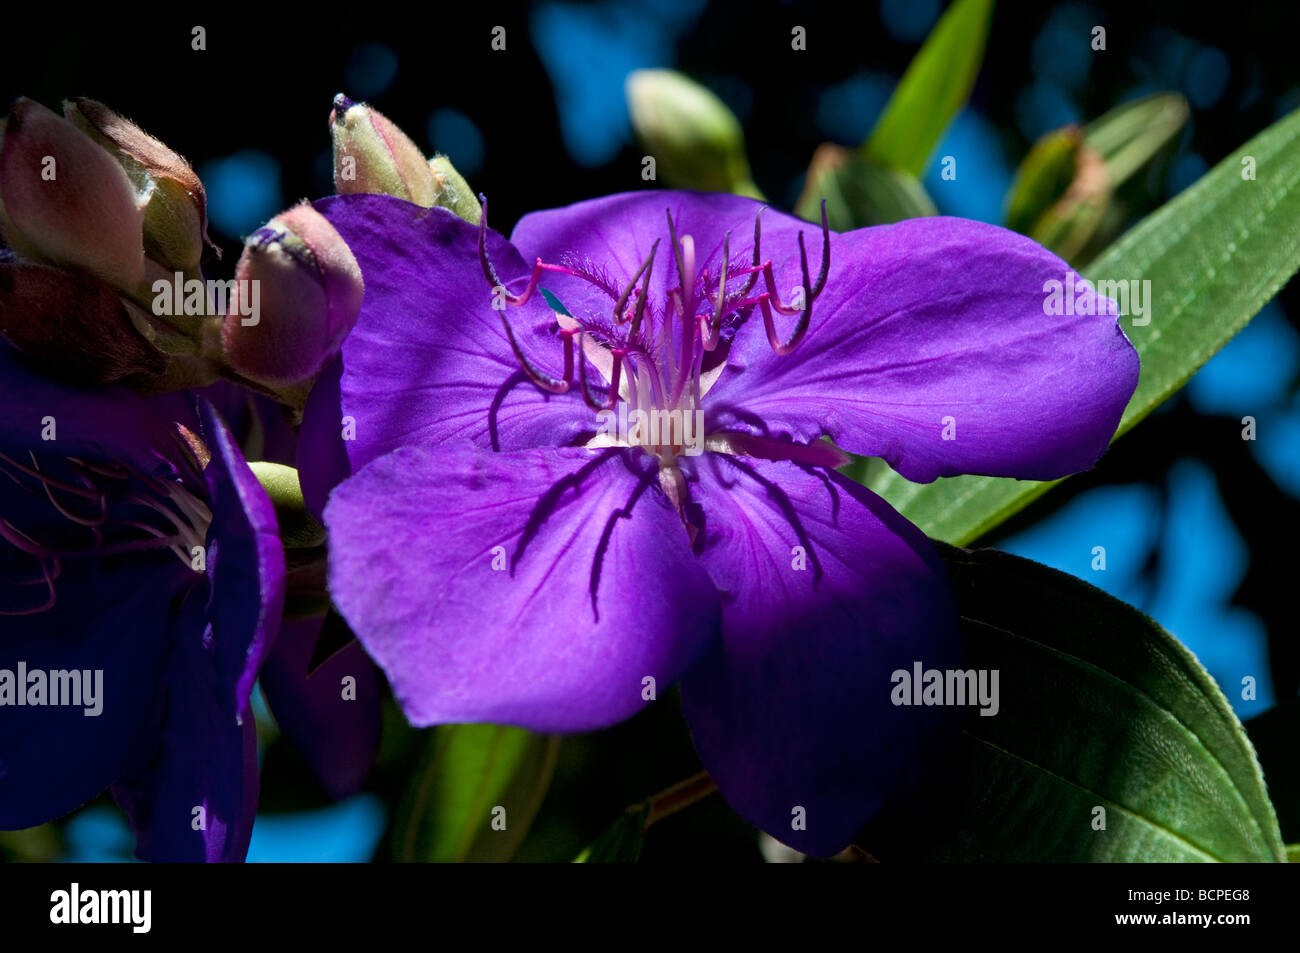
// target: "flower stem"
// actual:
[[681, 795]]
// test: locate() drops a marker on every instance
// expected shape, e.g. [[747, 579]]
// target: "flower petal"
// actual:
[[109, 627], [245, 562], [537, 588], [196, 799], [613, 235], [337, 731], [930, 347], [428, 360], [791, 708], [109, 614]]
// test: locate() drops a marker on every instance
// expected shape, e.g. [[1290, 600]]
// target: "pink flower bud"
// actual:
[[298, 295], [65, 201]]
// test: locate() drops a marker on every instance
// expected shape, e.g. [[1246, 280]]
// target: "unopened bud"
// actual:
[[64, 201], [298, 294], [695, 140], [373, 155], [176, 206], [452, 192]]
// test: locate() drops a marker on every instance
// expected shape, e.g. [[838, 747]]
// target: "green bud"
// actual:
[[858, 192], [1043, 177], [452, 192], [371, 155], [694, 139], [175, 203]]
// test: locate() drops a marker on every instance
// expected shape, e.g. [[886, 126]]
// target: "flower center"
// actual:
[[77, 509], [659, 357]]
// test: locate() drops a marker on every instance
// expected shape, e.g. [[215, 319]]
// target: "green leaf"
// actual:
[[1276, 736], [1098, 707], [936, 85], [621, 842], [1214, 256], [466, 774], [858, 192]]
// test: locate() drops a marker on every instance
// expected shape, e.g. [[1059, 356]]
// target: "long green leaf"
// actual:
[[1099, 707], [473, 780], [936, 85], [1214, 256]]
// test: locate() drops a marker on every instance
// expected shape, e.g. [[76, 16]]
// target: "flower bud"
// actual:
[[373, 155], [695, 140], [298, 294], [452, 192], [64, 201], [176, 206]]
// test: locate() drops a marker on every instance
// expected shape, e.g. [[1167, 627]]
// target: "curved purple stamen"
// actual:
[[669, 362]]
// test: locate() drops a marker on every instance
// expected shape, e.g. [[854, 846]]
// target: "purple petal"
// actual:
[[112, 615], [322, 453], [791, 707], [336, 730], [197, 798], [612, 236], [111, 619], [105, 424], [245, 561], [428, 360], [595, 588], [260, 425], [930, 348]]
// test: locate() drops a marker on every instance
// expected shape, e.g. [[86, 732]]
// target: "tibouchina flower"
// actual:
[[510, 550], [141, 582]]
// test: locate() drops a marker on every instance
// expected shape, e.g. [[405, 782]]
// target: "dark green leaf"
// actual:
[[1098, 708]]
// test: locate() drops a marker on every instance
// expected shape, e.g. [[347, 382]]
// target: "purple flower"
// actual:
[[141, 582], [515, 544]]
